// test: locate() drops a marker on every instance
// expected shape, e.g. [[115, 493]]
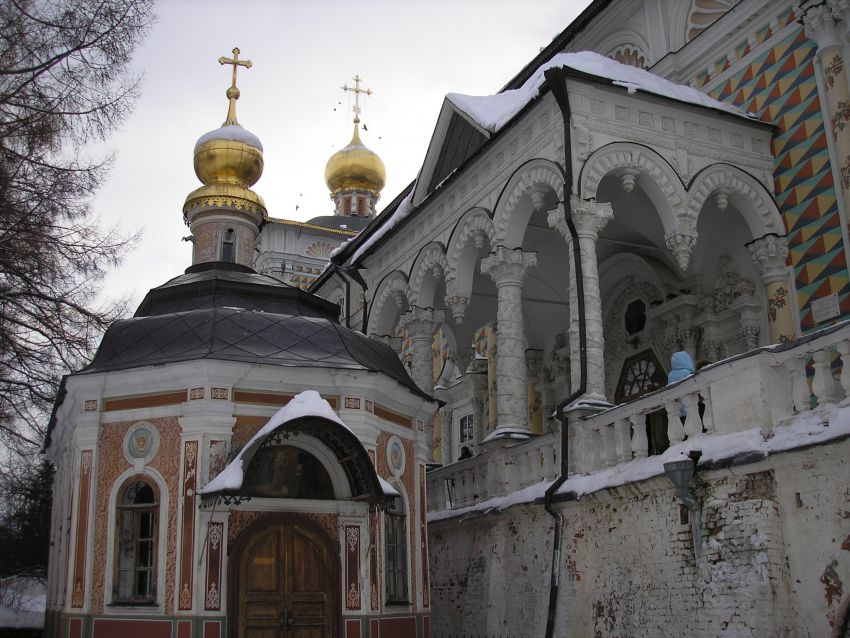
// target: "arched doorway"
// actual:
[[284, 581]]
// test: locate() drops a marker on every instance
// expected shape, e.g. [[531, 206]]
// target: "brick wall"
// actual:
[[775, 558]]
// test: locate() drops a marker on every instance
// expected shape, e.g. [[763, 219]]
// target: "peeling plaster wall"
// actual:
[[775, 561]]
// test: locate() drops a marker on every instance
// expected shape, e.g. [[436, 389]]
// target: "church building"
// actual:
[[233, 461], [587, 375], [633, 260]]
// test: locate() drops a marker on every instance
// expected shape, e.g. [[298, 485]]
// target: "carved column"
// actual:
[[770, 253], [477, 375], [446, 423], [534, 366], [421, 324], [822, 25], [507, 268], [589, 219]]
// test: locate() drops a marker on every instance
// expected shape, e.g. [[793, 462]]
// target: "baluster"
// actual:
[[693, 424], [675, 429], [640, 444], [843, 348], [824, 386], [609, 444], [800, 393], [622, 436], [596, 456], [550, 461], [708, 415]]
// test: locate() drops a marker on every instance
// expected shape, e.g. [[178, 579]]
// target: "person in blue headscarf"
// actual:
[[681, 367]]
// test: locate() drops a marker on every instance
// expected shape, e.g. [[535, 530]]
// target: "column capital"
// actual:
[[421, 322], [589, 217], [770, 254], [506, 266], [840, 10], [819, 23]]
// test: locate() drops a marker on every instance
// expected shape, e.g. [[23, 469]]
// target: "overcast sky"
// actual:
[[409, 52]]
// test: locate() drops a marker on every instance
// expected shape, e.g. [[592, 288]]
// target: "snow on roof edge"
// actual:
[[307, 403], [493, 112]]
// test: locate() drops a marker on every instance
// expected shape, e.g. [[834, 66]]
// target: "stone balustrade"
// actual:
[[759, 389]]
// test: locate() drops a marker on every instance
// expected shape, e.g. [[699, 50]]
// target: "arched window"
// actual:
[[396, 546], [136, 543], [228, 249]]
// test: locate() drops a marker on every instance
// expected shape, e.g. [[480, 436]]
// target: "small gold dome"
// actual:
[[228, 161], [230, 155], [355, 166]]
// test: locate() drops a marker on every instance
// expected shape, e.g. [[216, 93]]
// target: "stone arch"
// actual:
[[510, 219], [656, 176], [755, 204], [429, 266], [472, 232], [391, 299], [625, 278]]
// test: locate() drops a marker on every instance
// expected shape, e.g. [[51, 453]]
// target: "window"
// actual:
[[228, 252], [466, 433], [346, 205], [361, 206], [136, 543], [396, 541]]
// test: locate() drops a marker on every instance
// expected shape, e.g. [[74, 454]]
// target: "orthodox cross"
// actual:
[[357, 91], [233, 92]]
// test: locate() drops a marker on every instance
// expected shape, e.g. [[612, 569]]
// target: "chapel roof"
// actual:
[[226, 312]]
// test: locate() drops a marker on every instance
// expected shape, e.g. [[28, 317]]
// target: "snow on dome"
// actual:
[[308, 403], [234, 132], [492, 112]]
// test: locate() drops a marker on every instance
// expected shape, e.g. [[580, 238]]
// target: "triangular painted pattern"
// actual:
[[780, 86]]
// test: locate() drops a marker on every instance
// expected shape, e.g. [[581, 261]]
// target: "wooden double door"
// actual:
[[285, 585]]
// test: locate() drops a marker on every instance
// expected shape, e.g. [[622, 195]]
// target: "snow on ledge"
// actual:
[[308, 403], [492, 112], [818, 426]]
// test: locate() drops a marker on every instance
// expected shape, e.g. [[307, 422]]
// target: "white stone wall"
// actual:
[[775, 562]]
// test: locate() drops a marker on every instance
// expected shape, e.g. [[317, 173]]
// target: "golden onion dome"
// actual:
[[355, 167], [229, 154]]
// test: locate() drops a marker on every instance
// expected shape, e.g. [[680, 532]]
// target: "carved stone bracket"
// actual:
[[819, 23], [681, 243], [770, 254]]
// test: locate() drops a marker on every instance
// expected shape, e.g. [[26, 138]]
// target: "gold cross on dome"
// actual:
[[233, 92], [357, 91]]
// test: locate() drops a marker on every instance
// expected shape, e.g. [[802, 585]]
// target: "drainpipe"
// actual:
[[556, 79]]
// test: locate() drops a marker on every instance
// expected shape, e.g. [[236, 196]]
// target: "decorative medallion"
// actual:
[[395, 456], [141, 442]]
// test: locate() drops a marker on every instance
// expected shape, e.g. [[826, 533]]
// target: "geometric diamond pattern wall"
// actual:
[[780, 87]]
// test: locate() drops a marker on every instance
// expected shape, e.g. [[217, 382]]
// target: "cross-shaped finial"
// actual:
[[233, 92], [357, 91]]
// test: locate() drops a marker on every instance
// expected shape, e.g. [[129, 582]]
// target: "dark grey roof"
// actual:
[[344, 222], [222, 284], [219, 312]]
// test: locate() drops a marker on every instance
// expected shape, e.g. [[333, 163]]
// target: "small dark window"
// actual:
[[635, 318], [467, 428], [346, 205], [361, 205], [136, 544], [396, 546], [228, 250]]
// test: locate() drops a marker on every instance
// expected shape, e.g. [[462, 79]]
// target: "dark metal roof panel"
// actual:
[[248, 336]]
